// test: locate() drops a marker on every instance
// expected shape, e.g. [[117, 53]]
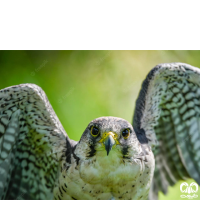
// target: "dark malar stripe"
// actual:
[[125, 151], [93, 151]]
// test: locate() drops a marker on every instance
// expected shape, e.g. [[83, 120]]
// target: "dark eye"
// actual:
[[126, 133], [94, 131]]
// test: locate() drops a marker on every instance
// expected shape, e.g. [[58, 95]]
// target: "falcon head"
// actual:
[[106, 136], [107, 151]]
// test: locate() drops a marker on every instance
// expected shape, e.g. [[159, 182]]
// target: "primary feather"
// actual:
[[31, 143], [167, 115]]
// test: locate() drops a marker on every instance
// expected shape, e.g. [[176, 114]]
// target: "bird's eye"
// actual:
[[126, 133], [94, 131]]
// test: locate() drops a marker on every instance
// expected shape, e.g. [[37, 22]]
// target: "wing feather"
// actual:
[[167, 116], [32, 142]]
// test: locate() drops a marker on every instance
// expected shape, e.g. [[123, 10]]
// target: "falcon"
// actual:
[[113, 160]]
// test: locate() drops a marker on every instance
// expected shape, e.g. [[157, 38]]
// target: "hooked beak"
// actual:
[[109, 142], [109, 139]]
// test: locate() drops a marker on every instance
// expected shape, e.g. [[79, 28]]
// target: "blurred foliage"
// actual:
[[83, 85]]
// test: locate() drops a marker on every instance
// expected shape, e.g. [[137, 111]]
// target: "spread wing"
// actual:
[[32, 142], [167, 116]]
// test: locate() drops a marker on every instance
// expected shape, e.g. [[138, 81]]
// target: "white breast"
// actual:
[[104, 177]]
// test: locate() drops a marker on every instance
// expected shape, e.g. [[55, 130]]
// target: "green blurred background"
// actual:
[[83, 85]]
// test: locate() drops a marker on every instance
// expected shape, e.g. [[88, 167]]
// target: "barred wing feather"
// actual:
[[167, 116], [32, 142]]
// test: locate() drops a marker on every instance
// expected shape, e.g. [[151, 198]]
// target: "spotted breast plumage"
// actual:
[[113, 159]]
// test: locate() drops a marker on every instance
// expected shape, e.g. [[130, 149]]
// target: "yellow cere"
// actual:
[[114, 135]]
